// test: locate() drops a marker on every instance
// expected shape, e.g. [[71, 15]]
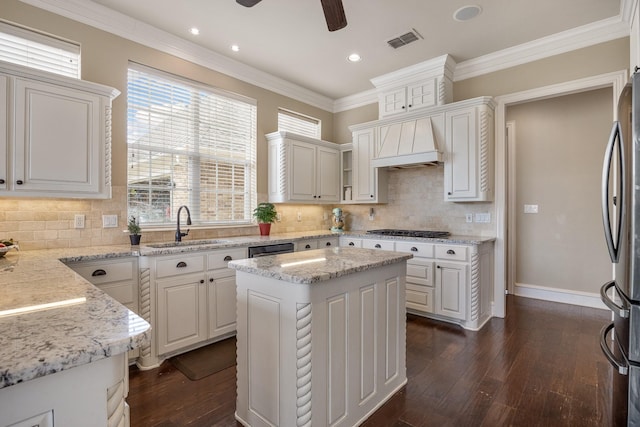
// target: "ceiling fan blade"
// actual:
[[248, 3], [334, 14]]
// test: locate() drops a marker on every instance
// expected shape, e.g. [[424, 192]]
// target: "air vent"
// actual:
[[404, 39]]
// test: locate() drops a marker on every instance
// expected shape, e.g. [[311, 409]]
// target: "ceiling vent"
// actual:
[[404, 39]]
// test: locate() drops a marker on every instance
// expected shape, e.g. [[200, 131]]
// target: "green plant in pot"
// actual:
[[265, 214], [134, 231]]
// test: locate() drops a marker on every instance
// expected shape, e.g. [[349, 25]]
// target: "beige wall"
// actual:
[[104, 60], [559, 145]]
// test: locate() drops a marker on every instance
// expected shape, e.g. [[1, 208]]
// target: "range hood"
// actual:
[[409, 143]]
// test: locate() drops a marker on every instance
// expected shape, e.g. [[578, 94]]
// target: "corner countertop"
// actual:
[[43, 341], [317, 265]]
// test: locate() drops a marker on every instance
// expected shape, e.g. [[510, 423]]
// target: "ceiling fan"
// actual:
[[333, 12]]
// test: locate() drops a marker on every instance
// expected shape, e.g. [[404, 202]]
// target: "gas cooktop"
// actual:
[[411, 233]]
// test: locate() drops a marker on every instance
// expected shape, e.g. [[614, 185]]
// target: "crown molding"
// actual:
[[121, 25], [356, 100], [565, 41]]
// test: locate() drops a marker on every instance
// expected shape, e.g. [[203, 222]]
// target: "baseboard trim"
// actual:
[[585, 299]]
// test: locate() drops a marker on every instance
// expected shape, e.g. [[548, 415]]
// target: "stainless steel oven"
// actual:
[[264, 250]]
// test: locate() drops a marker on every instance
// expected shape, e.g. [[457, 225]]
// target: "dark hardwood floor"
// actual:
[[541, 366]]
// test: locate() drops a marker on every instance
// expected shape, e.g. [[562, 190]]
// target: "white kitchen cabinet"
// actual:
[[221, 291], [468, 166], [450, 290], [58, 135], [302, 169], [346, 166], [408, 98], [420, 280], [385, 245], [369, 183], [348, 241], [322, 243]]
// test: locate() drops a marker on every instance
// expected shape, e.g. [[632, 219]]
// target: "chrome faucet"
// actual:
[[179, 234]]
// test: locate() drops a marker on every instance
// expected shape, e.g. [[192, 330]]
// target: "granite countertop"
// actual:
[[453, 239], [91, 327], [318, 265]]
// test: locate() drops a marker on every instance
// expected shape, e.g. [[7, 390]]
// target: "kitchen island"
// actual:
[[63, 342], [320, 336]]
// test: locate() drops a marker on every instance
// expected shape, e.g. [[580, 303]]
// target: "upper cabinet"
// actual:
[[57, 139], [369, 183], [468, 166], [420, 86], [302, 169]]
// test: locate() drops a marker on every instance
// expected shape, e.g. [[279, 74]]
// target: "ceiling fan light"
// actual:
[[467, 13]]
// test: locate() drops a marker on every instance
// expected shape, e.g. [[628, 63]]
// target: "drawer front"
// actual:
[[419, 298], [386, 245], [306, 245], [424, 250], [121, 292], [420, 272], [351, 243], [107, 272], [220, 258], [327, 243], [176, 265], [451, 252]]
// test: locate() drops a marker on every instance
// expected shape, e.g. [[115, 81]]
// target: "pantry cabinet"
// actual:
[[57, 135], [303, 170], [468, 166]]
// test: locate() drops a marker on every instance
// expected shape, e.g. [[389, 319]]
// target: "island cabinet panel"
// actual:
[[319, 353]]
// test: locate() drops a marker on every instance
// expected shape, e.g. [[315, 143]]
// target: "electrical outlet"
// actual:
[[469, 217], [532, 209], [109, 221], [299, 216], [278, 217], [78, 221]]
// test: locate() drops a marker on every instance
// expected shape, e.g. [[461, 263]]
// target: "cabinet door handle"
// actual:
[[307, 247], [181, 264], [19, 182], [328, 243], [378, 246], [414, 249], [351, 244], [1, 181], [228, 258], [451, 252], [99, 272]]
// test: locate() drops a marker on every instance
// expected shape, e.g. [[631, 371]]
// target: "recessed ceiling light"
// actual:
[[194, 31], [235, 48], [466, 13], [354, 57]]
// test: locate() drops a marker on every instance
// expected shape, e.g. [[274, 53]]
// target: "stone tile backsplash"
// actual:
[[416, 201]]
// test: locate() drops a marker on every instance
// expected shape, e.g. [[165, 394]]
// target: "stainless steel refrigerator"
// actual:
[[620, 340]]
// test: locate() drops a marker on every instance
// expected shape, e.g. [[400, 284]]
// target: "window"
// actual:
[[189, 144], [43, 52], [290, 121]]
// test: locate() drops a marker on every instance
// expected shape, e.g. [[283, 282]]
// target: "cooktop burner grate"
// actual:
[[411, 233]]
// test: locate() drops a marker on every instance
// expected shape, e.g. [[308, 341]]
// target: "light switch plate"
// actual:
[[533, 209], [109, 221], [484, 218]]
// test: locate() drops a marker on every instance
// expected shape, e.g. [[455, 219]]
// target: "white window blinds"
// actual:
[[192, 145], [300, 124], [29, 48]]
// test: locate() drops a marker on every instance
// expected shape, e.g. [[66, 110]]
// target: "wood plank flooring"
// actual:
[[541, 366]]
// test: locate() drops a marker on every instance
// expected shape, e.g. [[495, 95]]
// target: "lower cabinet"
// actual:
[[450, 290], [322, 243], [192, 300]]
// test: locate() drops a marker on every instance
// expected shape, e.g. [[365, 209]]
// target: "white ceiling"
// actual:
[[289, 38]]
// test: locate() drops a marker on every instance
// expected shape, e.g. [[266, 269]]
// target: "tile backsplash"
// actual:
[[416, 201]]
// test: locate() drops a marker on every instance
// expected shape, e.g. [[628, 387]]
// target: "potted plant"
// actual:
[[265, 214], [134, 231]]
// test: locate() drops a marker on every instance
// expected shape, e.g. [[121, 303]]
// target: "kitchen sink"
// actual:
[[187, 243]]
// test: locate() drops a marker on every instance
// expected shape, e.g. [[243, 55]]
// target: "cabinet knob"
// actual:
[[99, 272], [19, 182], [211, 279], [371, 195], [307, 246], [414, 249], [351, 244], [410, 105], [437, 266], [451, 252], [181, 264], [201, 280], [449, 193], [315, 197], [319, 197], [403, 107], [328, 243], [378, 246], [228, 258], [1, 181]]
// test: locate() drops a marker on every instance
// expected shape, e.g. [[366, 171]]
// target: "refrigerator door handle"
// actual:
[[618, 309], [621, 366], [613, 244]]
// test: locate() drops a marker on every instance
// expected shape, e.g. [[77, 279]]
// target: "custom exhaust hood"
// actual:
[[410, 143]]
